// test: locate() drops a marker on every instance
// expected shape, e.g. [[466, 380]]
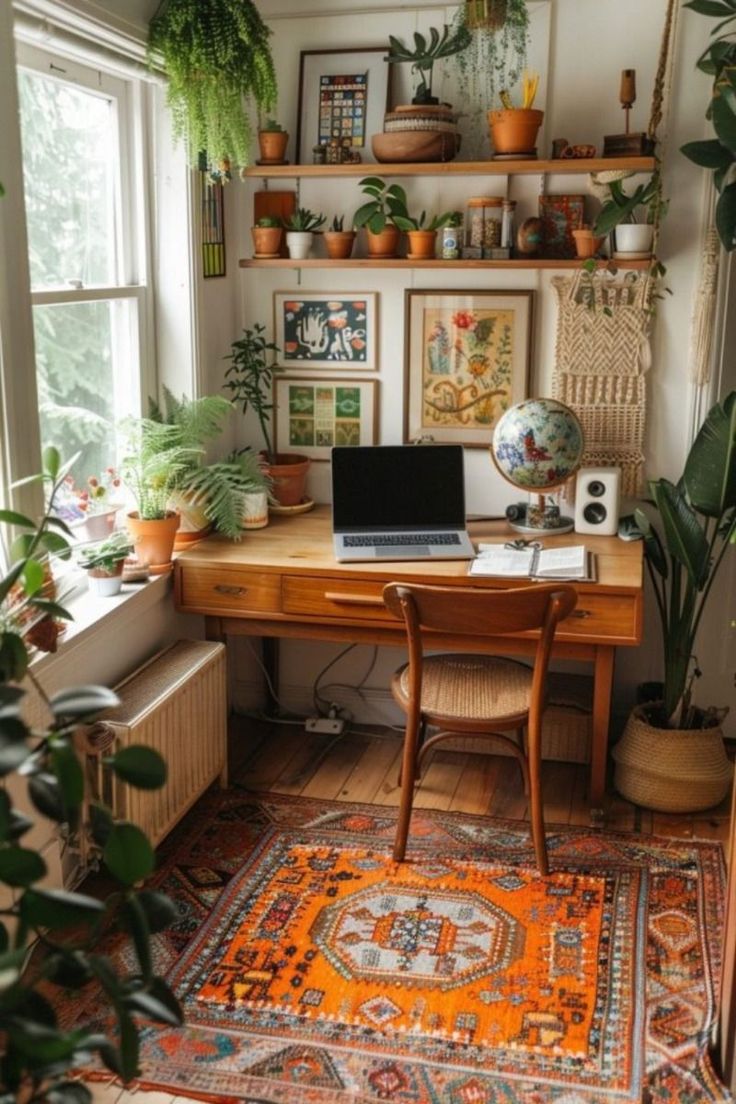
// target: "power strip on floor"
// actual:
[[331, 726]]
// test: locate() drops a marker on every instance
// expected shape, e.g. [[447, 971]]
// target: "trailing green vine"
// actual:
[[217, 56]]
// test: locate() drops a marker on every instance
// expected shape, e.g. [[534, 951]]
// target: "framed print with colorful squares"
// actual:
[[313, 414], [343, 95], [326, 329], [467, 360]]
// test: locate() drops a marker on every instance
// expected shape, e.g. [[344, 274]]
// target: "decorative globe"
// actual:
[[538, 444]]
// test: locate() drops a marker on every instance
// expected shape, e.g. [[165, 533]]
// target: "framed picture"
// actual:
[[326, 329], [343, 94], [560, 215], [467, 361], [314, 414]]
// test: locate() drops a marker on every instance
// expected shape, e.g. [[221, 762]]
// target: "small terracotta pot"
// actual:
[[153, 540], [289, 475], [266, 241], [514, 130], [586, 243], [422, 244], [383, 244], [339, 243], [272, 144]]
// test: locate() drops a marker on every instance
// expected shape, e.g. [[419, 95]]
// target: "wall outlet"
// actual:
[[332, 726]]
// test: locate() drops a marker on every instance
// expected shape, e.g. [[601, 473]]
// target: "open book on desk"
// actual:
[[573, 563]]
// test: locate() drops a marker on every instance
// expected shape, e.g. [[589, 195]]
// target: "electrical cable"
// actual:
[[317, 700]]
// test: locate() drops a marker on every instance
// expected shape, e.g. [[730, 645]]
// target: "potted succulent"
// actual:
[[621, 211], [267, 234], [272, 141], [300, 227], [338, 241], [378, 215], [514, 129], [217, 57], [671, 755], [249, 380], [104, 561], [423, 239]]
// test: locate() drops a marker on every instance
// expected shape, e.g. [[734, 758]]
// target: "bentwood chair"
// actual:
[[473, 694]]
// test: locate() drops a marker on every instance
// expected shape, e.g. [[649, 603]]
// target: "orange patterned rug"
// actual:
[[312, 968]]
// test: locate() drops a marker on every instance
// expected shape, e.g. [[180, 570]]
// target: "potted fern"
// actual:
[[217, 58], [671, 755]]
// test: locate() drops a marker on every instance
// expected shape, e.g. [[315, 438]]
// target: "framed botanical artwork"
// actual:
[[313, 414], [326, 329], [467, 361], [343, 95]]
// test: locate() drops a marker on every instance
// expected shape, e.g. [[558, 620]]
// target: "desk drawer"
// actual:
[[604, 617], [325, 597], [222, 588]]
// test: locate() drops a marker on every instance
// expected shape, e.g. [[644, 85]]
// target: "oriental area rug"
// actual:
[[312, 968]]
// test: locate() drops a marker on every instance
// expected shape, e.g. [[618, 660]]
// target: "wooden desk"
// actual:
[[283, 581]]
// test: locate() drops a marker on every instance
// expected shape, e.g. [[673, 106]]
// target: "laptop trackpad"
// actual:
[[412, 551]]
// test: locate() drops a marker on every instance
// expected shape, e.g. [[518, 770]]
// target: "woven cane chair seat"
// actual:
[[471, 687]]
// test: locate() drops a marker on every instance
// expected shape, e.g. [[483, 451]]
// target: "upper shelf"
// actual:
[[460, 168]]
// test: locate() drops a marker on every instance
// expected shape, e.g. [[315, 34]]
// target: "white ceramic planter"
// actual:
[[104, 586], [299, 242], [634, 237], [255, 515]]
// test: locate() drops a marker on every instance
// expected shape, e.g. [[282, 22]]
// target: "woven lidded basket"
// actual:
[[671, 770]]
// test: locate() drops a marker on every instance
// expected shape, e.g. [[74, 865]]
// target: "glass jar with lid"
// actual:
[[483, 222]]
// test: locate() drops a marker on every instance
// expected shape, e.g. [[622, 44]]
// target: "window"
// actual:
[[84, 176]]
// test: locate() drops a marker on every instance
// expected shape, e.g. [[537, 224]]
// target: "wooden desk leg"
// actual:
[[602, 687]]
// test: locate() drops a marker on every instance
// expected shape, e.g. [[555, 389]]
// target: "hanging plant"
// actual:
[[495, 57], [217, 56]]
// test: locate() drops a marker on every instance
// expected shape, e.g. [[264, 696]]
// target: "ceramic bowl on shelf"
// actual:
[[405, 146]]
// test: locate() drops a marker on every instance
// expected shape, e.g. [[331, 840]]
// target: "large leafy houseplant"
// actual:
[[217, 56], [718, 154], [68, 928], [696, 524], [249, 379]]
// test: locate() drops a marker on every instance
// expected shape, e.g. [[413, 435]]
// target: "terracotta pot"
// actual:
[[384, 244], [266, 241], [514, 130], [586, 243], [422, 244], [105, 584], [671, 770], [272, 144], [153, 540], [289, 474], [339, 243]]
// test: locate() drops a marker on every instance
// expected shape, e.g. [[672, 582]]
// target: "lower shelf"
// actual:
[[403, 262]]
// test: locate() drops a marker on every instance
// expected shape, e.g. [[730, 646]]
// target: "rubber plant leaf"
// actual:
[[708, 7], [710, 469], [709, 155], [683, 535]]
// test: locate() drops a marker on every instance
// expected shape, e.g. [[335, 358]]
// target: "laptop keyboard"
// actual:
[[391, 540]]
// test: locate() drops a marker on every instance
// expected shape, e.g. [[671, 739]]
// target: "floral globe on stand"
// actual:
[[537, 446]]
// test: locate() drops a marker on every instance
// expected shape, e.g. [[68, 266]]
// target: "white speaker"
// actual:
[[597, 493]]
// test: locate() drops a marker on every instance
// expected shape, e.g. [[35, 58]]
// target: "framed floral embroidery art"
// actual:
[[467, 361]]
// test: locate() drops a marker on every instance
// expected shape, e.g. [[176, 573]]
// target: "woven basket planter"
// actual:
[[671, 770]]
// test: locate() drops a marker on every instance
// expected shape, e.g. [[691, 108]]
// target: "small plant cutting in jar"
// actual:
[[104, 562]]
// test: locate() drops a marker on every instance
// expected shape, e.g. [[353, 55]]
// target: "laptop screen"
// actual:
[[398, 487]]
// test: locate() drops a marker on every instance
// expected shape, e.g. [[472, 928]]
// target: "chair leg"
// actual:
[[537, 809], [522, 762], [417, 756], [408, 768]]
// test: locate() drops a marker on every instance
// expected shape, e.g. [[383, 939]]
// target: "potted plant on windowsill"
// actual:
[[378, 215], [671, 755], [272, 141], [300, 228], [338, 241], [249, 379], [423, 239], [103, 563], [267, 234]]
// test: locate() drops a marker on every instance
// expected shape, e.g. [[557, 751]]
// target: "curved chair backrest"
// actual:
[[480, 611]]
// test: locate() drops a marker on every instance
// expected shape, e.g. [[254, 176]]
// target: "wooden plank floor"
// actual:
[[362, 765]]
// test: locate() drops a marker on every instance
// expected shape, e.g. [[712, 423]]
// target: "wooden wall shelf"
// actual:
[[459, 168], [404, 262]]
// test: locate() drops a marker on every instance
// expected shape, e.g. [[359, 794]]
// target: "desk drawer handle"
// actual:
[[581, 613], [235, 591], [355, 599]]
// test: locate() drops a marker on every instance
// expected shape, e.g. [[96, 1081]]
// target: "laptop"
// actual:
[[399, 502]]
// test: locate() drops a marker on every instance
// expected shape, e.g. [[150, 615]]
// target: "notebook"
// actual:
[[399, 502]]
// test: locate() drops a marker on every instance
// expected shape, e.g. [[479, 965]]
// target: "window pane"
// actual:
[[69, 156], [84, 353]]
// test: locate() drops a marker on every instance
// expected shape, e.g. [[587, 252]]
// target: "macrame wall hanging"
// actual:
[[602, 356], [602, 347]]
